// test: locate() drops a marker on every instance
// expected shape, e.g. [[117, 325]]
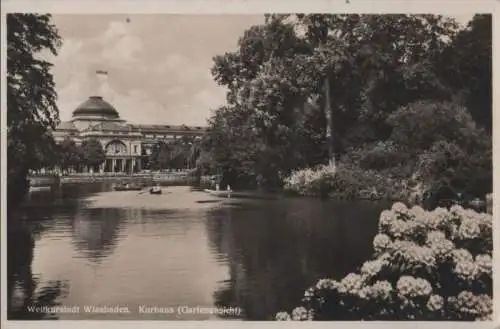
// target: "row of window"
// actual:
[[160, 136]]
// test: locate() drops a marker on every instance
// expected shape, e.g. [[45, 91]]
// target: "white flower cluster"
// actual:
[[380, 290], [435, 303], [484, 264], [385, 220], [323, 285], [442, 249], [412, 244], [351, 284], [399, 207], [299, 181], [410, 287], [403, 223], [466, 271], [327, 284], [462, 255], [469, 303], [283, 316], [382, 243], [414, 254], [302, 314], [372, 268], [469, 229]]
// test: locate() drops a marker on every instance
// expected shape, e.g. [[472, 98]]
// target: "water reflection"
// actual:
[[258, 255], [95, 232], [274, 256], [24, 288]]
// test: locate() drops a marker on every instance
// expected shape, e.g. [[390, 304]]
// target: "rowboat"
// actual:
[[39, 188], [127, 187], [155, 190], [220, 193]]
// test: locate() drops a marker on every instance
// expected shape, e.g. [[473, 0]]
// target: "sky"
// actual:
[[158, 65]]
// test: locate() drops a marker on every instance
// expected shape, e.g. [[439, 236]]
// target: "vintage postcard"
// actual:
[[247, 162]]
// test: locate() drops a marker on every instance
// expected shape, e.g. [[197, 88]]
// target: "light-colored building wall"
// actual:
[[97, 119]]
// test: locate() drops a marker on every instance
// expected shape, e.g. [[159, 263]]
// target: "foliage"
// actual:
[[160, 156], [427, 266], [31, 107], [419, 125], [175, 154], [93, 153], [70, 154], [312, 181], [466, 65], [296, 78], [378, 155], [205, 163], [345, 181]]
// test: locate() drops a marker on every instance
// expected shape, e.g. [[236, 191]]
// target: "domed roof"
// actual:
[[95, 105]]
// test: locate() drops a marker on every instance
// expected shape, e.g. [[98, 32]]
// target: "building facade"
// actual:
[[127, 145]]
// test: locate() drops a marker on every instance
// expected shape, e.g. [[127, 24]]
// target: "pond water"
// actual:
[[177, 255]]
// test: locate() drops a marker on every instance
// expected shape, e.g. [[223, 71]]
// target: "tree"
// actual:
[[342, 73], [466, 66], [31, 98], [160, 156], [70, 154], [419, 125], [93, 153]]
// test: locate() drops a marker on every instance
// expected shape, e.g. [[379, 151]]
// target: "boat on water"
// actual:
[[155, 190], [219, 193], [39, 188], [127, 187]]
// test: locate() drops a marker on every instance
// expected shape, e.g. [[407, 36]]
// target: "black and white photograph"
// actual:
[[248, 166]]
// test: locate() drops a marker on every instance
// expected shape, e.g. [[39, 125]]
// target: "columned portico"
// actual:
[[121, 165]]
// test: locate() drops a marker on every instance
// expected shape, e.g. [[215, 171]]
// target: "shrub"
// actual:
[[433, 265], [347, 181], [381, 155], [311, 181]]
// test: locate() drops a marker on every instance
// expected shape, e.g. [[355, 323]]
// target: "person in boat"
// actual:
[[156, 189]]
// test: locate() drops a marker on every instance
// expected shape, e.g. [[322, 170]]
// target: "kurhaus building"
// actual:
[[126, 144]]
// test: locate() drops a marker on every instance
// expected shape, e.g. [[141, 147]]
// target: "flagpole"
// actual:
[[101, 78]]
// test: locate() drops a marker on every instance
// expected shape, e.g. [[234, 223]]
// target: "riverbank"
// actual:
[[167, 178]]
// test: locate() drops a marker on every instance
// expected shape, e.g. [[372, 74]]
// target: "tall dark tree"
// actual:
[[160, 156], [31, 98], [466, 66], [70, 154]]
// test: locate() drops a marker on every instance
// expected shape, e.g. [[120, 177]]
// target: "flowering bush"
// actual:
[[427, 265], [345, 180], [311, 181]]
